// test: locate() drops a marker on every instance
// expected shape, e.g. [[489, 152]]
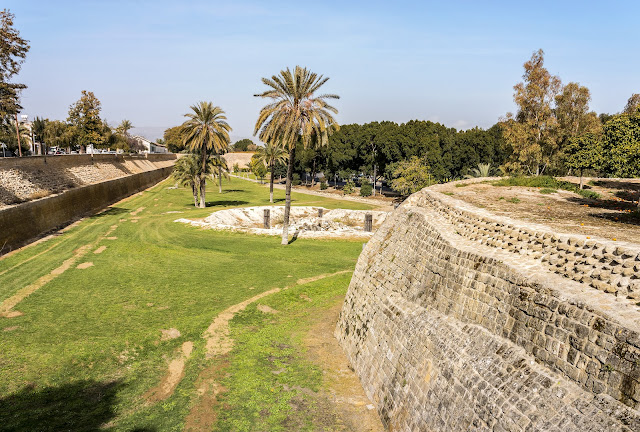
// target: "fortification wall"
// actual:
[[28, 178], [457, 320], [21, 223]]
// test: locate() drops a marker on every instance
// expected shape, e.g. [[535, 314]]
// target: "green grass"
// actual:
[[546, 182], [548, 191], [514, 200], [88, 345], [271, 385]]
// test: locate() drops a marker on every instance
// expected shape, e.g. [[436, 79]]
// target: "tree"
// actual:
[[271, 155], [16, 139], [38, 128], [13, 51], [621, 142], [295, 117], [206, 131], [243, 145], [633, 104], [124, 127], [174, 140], [572, 112], [532, 131], [187, 172], [59, 134], [409, 176], [584, 152], [84, 115], [258, 168]]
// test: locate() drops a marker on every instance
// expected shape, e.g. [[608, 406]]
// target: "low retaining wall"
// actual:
[[456, 320], [22, 223]]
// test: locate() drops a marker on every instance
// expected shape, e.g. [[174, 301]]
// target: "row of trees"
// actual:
[[555, 132]]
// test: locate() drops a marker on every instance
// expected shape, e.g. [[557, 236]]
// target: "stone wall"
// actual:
[[28, 178], [457, 319], [21, 223]]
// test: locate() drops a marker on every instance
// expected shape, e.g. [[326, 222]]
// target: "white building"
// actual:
[[149, 146]]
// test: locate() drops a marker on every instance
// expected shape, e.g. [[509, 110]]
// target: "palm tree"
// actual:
[[124, 127], [187, 172], [218, 163], [9, 135], [271, 155], [483, 170], [204, 132], [38, 127], [295, 117]]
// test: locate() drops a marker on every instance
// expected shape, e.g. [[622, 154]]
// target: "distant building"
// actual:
[[149, 146]]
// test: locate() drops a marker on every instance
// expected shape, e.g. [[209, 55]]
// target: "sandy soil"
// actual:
[[613, 216], [342, 395]]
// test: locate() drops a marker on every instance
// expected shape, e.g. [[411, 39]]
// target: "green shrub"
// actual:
[[323, 185], [548, 191], [546, 182], [366, 189], [349, 188], [295, 179]]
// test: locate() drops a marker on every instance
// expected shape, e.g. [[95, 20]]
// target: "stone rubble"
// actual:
[[303, 220]]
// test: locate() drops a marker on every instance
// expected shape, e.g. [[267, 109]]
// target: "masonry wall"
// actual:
[[21, 223], [458, 320], [29, 178]]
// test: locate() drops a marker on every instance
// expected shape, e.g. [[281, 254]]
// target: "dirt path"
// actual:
[[342, 390], [6, 307], [217, 334], [174, 375], [219, 344]]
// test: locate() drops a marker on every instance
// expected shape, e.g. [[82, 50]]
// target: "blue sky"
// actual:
[[455, 63]]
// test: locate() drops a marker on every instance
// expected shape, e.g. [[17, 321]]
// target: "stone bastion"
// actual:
[[460, 320]]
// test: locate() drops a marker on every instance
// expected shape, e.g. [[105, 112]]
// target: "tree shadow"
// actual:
[[111, 212], [232, 190], [620, 211], [9, 198], [295, 236], [85, 405], [225, 203]]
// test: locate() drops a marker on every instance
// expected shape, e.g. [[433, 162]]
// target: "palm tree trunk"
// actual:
[[271, 185], [203, 180], [194, 190], [287, 203], [219, 179], [18, 133]]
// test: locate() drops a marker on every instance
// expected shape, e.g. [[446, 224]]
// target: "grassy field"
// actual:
[[83, 350]]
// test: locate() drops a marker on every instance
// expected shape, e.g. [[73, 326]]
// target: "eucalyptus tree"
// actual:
[[205, 132], [295, 117], [271, 155]]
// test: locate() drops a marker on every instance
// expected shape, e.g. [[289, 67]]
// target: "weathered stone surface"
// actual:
[[454, 323]]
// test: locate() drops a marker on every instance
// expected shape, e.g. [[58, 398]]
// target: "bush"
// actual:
[[295, 179], [323, 185], [546, 182], [366, 189], [349, 187]]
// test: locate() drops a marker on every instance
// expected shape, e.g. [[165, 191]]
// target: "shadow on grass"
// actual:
[[111, 212], [79, 406], [295, 236], [226, 203]]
